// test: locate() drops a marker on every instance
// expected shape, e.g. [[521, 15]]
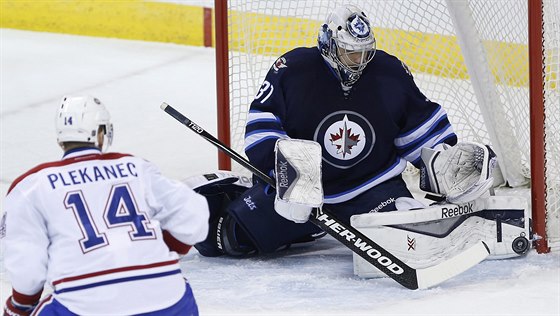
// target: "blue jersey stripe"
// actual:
[[394, 170], [120, 280]]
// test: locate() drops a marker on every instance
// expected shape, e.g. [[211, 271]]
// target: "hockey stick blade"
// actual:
[[434, 275], [352, 238]]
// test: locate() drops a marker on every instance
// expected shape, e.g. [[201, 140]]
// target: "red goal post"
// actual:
[[493, 66]]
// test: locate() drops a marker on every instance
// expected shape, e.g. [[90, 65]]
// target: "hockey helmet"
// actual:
[[347, 43], [78, 120]]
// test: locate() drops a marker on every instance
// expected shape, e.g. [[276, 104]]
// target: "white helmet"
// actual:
[[347, 43], [78, 119]]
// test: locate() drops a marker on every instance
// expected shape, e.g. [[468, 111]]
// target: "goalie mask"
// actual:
[[347, 43], [79, 118]]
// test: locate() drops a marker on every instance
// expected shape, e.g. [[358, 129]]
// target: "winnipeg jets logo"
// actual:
[[279, 63], [346, 137], [345, 140], [357, 26]]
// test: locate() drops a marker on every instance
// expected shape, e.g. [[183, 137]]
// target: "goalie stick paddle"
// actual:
[[376, 255]]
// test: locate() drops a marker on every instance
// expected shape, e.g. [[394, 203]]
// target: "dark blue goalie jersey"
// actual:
[[367, 135]]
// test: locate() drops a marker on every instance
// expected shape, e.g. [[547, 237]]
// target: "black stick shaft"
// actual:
[[199, 130]]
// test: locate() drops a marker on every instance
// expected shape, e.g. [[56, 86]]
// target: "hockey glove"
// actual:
[[298, 179], [219, 189], [461, 173], [13, 308]]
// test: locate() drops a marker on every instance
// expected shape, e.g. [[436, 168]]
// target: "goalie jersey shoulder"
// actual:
[[297, 62]]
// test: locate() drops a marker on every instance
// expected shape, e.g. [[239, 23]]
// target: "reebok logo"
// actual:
[[382, 205], [457, 210], [283, 181]]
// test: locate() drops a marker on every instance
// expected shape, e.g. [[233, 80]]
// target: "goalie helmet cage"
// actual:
[[492, 65]]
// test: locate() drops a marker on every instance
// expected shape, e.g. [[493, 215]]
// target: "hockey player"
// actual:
[[103, 230], [364, 110]]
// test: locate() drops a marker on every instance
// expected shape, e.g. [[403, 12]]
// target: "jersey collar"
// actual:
[[82, 151]]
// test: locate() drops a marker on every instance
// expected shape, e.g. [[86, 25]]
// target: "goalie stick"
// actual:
[[353, 239]]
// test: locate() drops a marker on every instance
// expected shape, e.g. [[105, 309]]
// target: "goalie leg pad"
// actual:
[[254, 212], [423, 238]]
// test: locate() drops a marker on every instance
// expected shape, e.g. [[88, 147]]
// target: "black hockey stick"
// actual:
[[353, 239]]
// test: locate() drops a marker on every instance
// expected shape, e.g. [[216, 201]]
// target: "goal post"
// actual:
[[493, 65], [537, 118], [222, 80]]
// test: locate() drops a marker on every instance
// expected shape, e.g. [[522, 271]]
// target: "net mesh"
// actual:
[[551, 66], [473, 60]]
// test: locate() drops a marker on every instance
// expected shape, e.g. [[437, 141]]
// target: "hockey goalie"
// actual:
[[419, 234]]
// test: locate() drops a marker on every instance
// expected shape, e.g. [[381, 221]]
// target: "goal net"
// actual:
[[472, 57]]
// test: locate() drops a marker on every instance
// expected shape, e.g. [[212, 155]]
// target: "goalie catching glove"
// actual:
[[298, 179], [461, 173]]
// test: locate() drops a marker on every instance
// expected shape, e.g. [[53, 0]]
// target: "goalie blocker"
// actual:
[[426, 237], [298, 178]]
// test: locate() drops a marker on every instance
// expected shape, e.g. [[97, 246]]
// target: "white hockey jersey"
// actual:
[[92, 227]]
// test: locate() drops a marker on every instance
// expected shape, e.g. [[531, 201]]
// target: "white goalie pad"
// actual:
[[461, 173], [298, 178], [425, 237]]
